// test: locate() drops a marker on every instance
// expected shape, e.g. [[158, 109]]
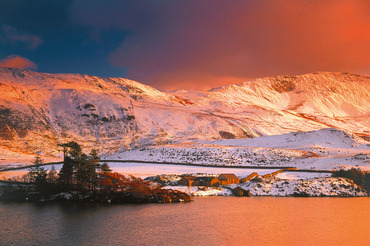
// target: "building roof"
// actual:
[[227, 176], [189, 177], [206, 179]]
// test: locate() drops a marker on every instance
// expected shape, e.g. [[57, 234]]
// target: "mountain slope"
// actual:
[[38, 110], [322, 149]]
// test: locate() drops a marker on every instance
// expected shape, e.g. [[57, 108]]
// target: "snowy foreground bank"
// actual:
[[326, 187]]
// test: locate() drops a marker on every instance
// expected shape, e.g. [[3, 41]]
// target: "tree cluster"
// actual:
[[79, 168], [361, 178], [82, 177]]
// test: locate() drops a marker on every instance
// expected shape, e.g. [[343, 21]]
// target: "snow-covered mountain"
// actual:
[[39, 110]]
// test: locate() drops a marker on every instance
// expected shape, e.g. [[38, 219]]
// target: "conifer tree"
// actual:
[[37, 173], [105, 168], [52, 175], [94, 160], [66, 172], [78, 165]]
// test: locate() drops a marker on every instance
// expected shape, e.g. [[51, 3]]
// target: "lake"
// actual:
[[210, 220]]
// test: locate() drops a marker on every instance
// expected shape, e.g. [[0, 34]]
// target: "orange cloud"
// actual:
[[195, 44], [17, 62]]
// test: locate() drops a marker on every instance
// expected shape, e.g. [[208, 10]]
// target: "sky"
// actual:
[[192, 44]]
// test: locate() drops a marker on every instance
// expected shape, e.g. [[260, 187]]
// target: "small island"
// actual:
[[83, 178]]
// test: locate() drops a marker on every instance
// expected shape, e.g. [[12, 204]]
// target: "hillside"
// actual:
[[323, 149], [38, 111]]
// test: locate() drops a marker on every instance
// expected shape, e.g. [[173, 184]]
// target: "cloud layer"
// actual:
[[202, 44], [17, 62], [12, 35]]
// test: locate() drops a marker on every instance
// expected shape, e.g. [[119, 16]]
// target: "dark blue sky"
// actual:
[[67, 47], [192, 44]]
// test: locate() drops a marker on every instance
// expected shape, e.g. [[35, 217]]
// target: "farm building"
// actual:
[[222, 179], [187, 181], [207, 181], [228, 178]]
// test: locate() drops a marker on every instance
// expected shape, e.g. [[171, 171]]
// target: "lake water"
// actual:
[[206, 221]]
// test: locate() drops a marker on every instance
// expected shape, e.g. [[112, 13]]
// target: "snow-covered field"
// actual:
[[323, 149], [202, 191], [307, 187], [301, 175], [278, 187]]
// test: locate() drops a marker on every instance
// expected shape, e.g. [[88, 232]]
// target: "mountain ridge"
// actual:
[[39, 110]]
